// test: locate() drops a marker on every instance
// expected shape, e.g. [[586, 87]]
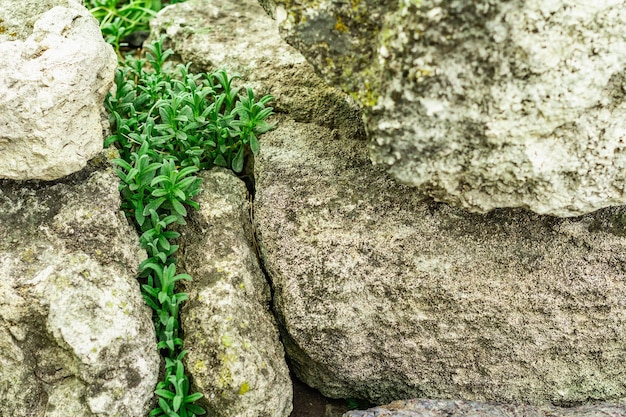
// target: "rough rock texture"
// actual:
[[443, 408], [234, 355], [239, 36], [481, 104], [384, 295], [75, 336], [55, 70]]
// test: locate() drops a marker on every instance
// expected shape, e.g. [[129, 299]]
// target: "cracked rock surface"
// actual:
[[76, 338], [481, 104], [55, 70], [234, 357]]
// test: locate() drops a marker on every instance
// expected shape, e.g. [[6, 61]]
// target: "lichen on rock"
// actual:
[[481, 104], [76, 338]]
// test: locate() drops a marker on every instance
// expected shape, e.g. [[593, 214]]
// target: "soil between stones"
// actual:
[[309, 402]]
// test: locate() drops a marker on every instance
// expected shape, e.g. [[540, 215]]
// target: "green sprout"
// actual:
[[167, 124]]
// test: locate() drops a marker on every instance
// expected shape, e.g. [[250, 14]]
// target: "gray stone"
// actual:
[[249, 44], [446, 408], [384, 295], [55, 70], [75, 336], [481, 104], [234, 354]]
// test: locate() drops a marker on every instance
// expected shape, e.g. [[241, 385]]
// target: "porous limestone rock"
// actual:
[[481, 104], [75, 336], [234, 354], [446, 408], [384, 295], [55, 70], [249, 45]]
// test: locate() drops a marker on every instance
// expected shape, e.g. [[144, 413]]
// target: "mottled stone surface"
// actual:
[[75, 336], [234, 355], [385, 295], [443, 408], [55, 70], [481, 104]]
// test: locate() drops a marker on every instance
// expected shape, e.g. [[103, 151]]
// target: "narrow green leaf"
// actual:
[[237, 164], [178, 399], [178, 207], [254, 144], [154, 205], [193, 397]]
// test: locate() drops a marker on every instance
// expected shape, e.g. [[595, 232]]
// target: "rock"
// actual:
[[446, 408], [55, 70], [75, 336], [382, 294], [481, 104], [234, 354], [249, 44]]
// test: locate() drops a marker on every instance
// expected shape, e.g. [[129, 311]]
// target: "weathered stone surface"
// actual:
[[55, 70], [239, 36], [383, 295], [446, 408], [481, 104], [75, 336], [234, 355]]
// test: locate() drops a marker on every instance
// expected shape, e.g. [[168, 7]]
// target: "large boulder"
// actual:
[[75, 336], [385, 295], [55, 70], [482, 104], [234, 357]]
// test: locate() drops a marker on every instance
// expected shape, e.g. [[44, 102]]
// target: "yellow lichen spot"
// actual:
[[245, 387], [367, 98], [28, 256], [227, 340], [354, 3], [199, 366], [109, 304], [242, 286], [340, 26]]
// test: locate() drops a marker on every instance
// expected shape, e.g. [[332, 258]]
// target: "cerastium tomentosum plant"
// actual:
[[167, 124]]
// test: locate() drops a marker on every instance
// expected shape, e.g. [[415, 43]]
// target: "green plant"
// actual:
[[121, 18], [167, 124], [199, 120]]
